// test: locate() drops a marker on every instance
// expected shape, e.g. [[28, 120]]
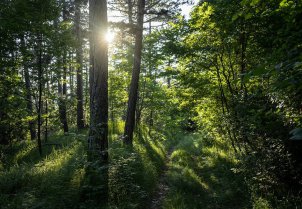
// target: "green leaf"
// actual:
[[248, 16], [254, 2]]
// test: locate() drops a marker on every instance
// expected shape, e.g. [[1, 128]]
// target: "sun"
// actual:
[[109, 36]]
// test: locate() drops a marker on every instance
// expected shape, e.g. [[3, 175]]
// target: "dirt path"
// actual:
[[162, 188]]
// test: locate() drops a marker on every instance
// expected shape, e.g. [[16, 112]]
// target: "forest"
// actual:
[[151, 104]]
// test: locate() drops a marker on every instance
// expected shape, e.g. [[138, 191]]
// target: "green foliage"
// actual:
[[12, 107], [261, 204]]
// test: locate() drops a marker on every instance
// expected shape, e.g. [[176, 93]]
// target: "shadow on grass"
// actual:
[[201, 177], [51, 182], [27, 151], [126, 183], [134, 171], [94, 191], [153, 148]]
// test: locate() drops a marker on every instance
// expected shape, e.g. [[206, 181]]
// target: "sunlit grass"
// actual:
[[50, 181], [133, 173], [22, 153], [200, 175]]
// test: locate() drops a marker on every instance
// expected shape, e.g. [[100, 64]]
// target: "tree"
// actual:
[[29, 101], [130, 117], [79, 58], [98, 132], [62, 82]]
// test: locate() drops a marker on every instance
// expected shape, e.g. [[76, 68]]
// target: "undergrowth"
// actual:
[[203, 173], [134, 172], [58, 178]]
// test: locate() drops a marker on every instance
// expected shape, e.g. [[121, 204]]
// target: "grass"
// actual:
[[201, 173], [201, 176], [133, 173], [58, 178], [50, 181]]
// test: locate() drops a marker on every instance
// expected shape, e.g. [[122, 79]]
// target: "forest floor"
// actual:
[[194, 172], [162, 188], [199, 175]]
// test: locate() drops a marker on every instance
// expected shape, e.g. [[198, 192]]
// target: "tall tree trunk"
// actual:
[[62, 99], [46, 93], [130, 118], [79, 58], [130, 7], [71, 77], [31, 123], [86, 91], [99, 78], [63, 91], [40, 86]]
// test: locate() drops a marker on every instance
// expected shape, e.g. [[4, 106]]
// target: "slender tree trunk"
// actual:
[[71, 75], [62, 88], [169, 78], [46, 108], [99, 78], [79, 58], [153, 80], [130, 117], [62, 102], [87, 107], [64, 113], [130, 7], [243, 46], [112, 117], [225, 109], [91, 69], [31, 123], [40, 85], [141, 96]]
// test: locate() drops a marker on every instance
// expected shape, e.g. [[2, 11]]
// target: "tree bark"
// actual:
[[98, 134], [62, 100], [133, 94], [79, 58], [130, 6], [46, 93], [40, 84], [63, 91], [31, 123]]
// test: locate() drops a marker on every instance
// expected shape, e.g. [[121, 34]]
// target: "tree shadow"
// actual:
[[28, 153], [204, 178], [153, 149], [94, 189], [50, 183]]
